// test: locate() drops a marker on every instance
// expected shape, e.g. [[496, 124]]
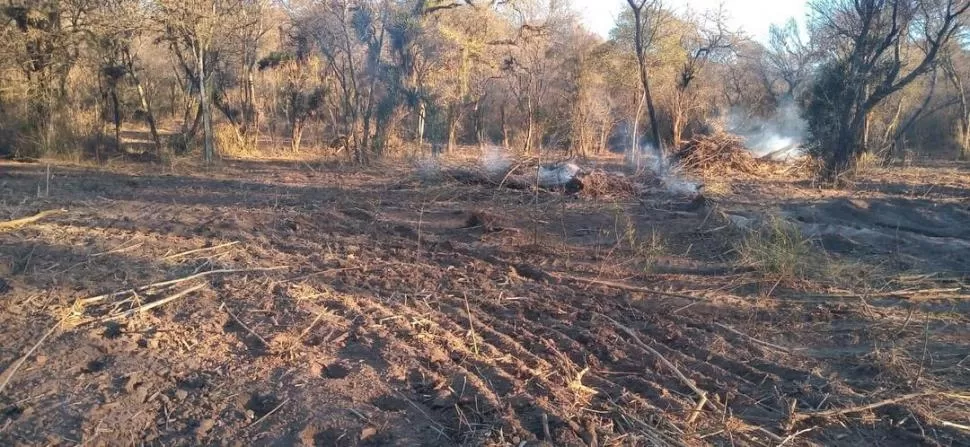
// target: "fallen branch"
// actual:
[[199, 250], [153, 304], [99, 298], [17, 223], [701, 394]]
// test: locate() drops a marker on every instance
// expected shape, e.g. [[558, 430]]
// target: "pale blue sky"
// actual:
[[753, 16]]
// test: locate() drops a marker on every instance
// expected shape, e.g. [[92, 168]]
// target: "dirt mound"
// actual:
[[717, 154]]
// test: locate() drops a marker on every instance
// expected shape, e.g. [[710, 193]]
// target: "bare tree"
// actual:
[[956, 78], [646, 25], [704, 41], [788, 58], [194, 26]]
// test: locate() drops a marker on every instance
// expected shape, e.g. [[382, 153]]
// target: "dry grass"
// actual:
[[778, 248], [231, 144], [718, 188]]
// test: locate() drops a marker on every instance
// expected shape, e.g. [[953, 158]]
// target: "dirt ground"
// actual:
[[326, 305]]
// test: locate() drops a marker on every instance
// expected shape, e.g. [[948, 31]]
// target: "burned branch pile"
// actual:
[[555, 177], [717, 154], [598, 183]]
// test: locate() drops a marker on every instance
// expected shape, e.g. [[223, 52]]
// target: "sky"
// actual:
[[753, 16]]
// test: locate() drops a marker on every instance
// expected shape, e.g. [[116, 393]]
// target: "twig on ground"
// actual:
[[439, 428], [153, 304], [99, 298], [9, 373], [760, 342], [199, 250], [321, 272], [271, 412], [244, 326], [792, 436], [17, 223], [622, 286], [310, 327], [859, 409], [905, 293], [117, 250], [922, 360], [471, 326], [949, 424], [701, 394]]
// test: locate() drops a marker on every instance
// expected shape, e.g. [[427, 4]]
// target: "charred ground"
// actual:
[[373, 307]]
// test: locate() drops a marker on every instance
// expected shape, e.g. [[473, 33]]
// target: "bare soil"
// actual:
[[372, 307]]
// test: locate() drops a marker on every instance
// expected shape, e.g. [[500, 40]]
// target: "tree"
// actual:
[[703, 41], [869, 41], [956, 77], [788, 59], [194, 26], [646, 26]]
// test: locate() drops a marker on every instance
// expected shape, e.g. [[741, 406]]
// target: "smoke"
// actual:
[[670, 175], [496, 160], [779, 137]]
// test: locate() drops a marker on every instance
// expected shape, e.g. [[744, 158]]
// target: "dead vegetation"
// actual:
[[717, 154]]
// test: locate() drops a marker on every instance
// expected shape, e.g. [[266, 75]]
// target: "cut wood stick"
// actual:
[[199, 250], [244, 326], [859, 409], [9, 372], [760, 342], [99, 298], [701, 394], [153, 304], [17, 223]]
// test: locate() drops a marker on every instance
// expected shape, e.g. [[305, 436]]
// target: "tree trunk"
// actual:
[[635, 137], [604, 136], [505, 128], [422, 114], [147, 106], [530, 126], [677, 124], [454, 119], [645, 80], [296, 135], [208, 152], [116, 109]]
